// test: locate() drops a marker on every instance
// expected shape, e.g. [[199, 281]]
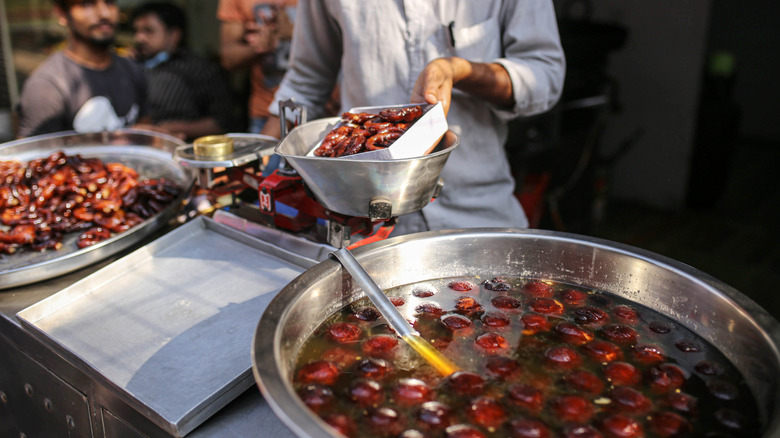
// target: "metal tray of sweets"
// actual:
[[168, 327], [148, 153]]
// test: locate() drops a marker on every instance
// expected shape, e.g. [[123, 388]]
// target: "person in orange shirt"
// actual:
[[256, 34]]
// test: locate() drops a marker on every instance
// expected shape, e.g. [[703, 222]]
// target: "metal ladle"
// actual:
[[392, 315]]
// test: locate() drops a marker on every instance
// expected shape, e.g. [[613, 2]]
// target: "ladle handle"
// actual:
[[386, 307]]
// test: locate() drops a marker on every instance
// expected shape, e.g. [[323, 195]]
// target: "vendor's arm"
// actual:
[[488, 81], [526, 79], [314, 70]]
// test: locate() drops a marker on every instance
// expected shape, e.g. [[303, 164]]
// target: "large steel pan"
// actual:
[[148, 152], [350, 186], [744, 332]]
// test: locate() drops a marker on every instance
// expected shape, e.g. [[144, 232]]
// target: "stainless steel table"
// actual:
[[43, 393]]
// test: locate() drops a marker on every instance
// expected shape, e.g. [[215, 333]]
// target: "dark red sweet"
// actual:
[[584, 381], [562, 358], [534, 323], [460, 286], [622, 374], [321, 371], [537, 288], [343, 358], [665, 378], [590, 316], [620, 334], [505, 302], [496, 285], [492, 343], [367, 314], [384, 421], [731, 419], [423, 293], [709, 368], [410, 392], [468, 306], [380, 345], [624, 314], [572, 408], [343, 423], [486, 412], [382, 328], [723, 390], [316, 397], [680, 401], [463, 431], [659, 327], [648, 354], [434, 415], [688, 346], [545, 306], [456, 321], [621, 426], [495, 320], [430, 309], [527, 397], [503, 367], [602, 351], [373, 368], [528, 428], [573, 297], [581, 431], [466, 383], [668, 424], [573, 334], [629, 400], [343, 332], [366, 392], [397, 301]]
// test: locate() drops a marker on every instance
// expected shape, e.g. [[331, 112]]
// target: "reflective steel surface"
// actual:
[[744, 332]]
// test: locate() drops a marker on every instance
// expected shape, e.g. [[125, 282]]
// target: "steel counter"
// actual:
[[46, 393]]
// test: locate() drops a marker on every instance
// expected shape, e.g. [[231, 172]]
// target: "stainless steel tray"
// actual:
[[168, 327], [149, 153]]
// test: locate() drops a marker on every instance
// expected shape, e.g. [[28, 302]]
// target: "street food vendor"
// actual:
[[487, 62]]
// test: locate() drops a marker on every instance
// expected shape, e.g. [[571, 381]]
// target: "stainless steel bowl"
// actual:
[[349, 186], [148, 152], [744, 332]]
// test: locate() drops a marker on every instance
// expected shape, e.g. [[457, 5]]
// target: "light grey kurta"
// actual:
[[377, 49]]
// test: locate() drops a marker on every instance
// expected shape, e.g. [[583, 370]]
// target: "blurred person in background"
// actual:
[[487, 61], [86, 87], [256, 34], [187, 94]]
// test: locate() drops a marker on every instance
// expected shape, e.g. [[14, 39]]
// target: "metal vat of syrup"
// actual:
[[744, 332]]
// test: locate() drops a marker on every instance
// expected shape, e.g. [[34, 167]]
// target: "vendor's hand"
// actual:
[[435, 83], [262, 38]]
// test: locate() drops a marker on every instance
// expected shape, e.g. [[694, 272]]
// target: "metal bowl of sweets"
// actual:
[[354, 187], [554, 334]]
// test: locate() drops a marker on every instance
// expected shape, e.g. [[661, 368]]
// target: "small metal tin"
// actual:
[[213, 146]]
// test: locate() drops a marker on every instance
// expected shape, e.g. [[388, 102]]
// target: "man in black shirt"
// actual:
[[186, 93], [86, 87]]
